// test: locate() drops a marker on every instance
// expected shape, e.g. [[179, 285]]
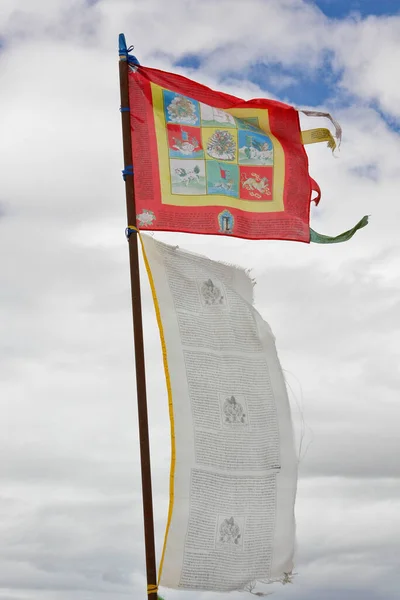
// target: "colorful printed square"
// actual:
[[188, 177], [220, 144], [222, 179], [256, 183], [249, 123], [180, 109], [184, 141], [255, 149], [215, 117]]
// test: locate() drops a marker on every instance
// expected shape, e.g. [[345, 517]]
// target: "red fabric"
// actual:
[[290, 224], [315, 188]]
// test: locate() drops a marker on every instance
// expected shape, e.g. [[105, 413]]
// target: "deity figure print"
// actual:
[[211, 293], [229, 532], [233, 411]]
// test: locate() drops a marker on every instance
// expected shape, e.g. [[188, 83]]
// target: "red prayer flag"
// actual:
[[186, 139]]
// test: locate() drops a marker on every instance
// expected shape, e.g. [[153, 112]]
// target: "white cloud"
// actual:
[[368, 52], [70, 508]]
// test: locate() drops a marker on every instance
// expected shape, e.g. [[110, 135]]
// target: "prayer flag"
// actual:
[[184, 135], [234, 466]]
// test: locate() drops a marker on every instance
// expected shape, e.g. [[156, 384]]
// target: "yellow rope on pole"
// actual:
[[169, 391]]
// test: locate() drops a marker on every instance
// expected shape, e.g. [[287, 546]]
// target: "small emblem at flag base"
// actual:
[[146, 218], [226, 221]]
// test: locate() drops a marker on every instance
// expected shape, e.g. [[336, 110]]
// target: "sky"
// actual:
[[70, 504]]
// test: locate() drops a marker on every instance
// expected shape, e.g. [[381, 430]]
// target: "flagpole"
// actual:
[[147, 496]]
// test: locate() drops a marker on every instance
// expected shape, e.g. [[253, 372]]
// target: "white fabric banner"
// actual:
[[234, 466]]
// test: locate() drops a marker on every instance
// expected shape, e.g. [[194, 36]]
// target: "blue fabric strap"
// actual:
[[124, 51], [129, 231], [127, 171]]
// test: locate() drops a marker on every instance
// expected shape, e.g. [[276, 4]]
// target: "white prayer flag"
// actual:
[[234, 466]]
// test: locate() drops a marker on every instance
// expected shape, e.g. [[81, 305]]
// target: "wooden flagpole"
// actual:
[[138, 332]]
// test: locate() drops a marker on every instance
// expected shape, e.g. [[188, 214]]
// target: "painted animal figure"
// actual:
[[261, 155], [258, 185], [224, 185], [187, 176]]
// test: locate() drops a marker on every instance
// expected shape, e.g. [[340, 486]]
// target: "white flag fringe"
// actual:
[[234, 466]]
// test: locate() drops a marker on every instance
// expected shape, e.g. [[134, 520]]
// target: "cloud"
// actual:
[[367, 51], [70, 508]]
